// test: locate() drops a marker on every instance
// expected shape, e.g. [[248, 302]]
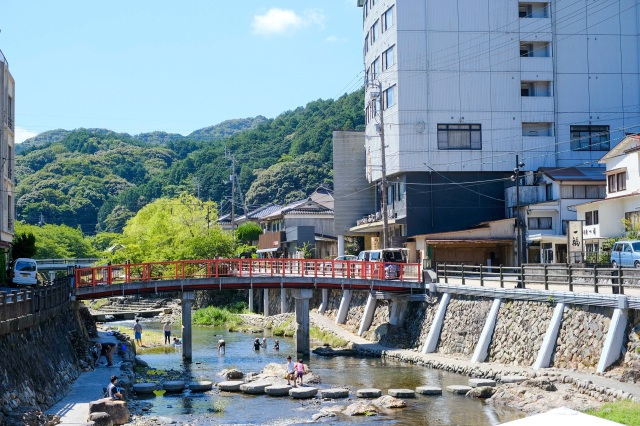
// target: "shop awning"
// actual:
[[269, 250]]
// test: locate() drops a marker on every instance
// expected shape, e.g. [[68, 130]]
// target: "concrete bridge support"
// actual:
[[482, 348], [543, 359], [343, 310], [367, 318], [325, 301], [266, 302], [302, 297], [283, 300], [251, 299], [398, 309], [431, 343], [615, 336], [186, 298]]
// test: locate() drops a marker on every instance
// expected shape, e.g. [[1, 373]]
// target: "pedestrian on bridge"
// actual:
[[167, 332], [137, 331]]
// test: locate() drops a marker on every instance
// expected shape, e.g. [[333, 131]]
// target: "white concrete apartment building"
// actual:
[[7, 143], [468, 84]]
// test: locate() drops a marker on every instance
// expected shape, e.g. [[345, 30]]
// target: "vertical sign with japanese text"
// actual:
[[575, 241]]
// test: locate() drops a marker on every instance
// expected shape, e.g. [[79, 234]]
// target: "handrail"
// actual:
[[218, 268], [71, 261], [16, 304]]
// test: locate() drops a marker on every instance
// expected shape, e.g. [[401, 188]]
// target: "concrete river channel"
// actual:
[[350, 372]]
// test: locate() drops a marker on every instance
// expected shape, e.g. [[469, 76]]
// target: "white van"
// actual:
[[24, 272], [390, 257]]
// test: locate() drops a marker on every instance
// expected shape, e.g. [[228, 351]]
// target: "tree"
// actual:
[[24, 245], [174, 229], [57, 241], [248, 232]]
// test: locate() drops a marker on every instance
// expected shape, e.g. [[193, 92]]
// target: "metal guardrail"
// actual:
[[71, 261], [16, 304]]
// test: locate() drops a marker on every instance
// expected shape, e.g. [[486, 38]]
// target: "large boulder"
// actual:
[[101, 419], [482, 392], [361, 409], [141, 363], [232, 374], [117, 410], [388, 401], [279, 371]]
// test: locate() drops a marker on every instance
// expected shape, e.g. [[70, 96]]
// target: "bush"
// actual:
[[215, 316]]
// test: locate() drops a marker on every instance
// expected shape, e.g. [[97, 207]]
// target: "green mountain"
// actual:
[[96, 179]]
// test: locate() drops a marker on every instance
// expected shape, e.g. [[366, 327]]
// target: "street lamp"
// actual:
[[516, 177]]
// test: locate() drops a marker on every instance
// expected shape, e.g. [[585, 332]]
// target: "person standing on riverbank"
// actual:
[[291, 370], [137, 331], [167, 332]]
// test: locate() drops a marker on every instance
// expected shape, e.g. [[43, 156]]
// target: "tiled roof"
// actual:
[[594, 174]]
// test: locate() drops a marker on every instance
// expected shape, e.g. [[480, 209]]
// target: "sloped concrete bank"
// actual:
[[37, 365]]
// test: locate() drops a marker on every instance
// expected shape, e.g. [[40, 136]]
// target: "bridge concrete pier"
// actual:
[[482, 348], [543, 360], [614, 341], [187, 298], [302, 297], [431, 343], [367, 318], [325, 301], [266, 302], [251, 299], [283, 300], [343, 310], [398, 309]]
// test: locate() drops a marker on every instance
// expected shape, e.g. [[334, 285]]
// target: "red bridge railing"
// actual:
[[221, 268]]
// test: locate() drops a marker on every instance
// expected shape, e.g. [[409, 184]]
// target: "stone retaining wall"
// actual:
[[335, 296], [463, 323], [356, 310], [415, 327], [274, 301], [519, 332], [379, 325], [581, 337]]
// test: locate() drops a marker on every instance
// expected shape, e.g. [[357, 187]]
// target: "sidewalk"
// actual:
[[73, 409], [329, 324]]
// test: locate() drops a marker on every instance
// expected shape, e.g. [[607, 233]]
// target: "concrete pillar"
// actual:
[[325, 301], [398, 308], [266, 302], [283, 300], [482, 348], [187, 298], [251, 299], [367, 318], [615, 336], [543, 359], [52, 276], [302, 297], [431, 343], [343, 310], [340, 245]]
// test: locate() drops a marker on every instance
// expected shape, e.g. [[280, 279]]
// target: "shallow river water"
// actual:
[[351, 372]]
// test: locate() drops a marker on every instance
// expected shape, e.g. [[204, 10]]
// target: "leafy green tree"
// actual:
[[24, 245], [248, 231], [57, 241]]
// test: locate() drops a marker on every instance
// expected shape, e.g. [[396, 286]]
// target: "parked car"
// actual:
[[24, 272], [626, 254], [391, 257], [347, 257]]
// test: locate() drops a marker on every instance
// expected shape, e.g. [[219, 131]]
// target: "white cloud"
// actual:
[[281, 21], [23, 134], [335, 39]]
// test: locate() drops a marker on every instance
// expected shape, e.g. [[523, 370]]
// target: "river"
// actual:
[[352, 372]]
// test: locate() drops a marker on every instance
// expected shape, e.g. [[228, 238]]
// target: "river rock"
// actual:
[[279, 370], [388, 401], [512, 379], [402, 393], [329, 351], [230, 386], [459, 389], [117, 410], [144, 388], [140, 362], [174, 386], [254, 388], [482, 392], [277, 390], [429, 390], [232, 374], [369, 393], [361, 409], [474, 383], [101, 419], [201, 386], [334, 393], [303, 392]]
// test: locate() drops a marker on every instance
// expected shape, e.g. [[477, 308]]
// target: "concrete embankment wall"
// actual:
[[38, 364]]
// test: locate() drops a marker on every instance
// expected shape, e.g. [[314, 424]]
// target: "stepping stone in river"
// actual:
[[402, 393], [277, 390], [201, 386], [334, 393], [230, 386], [475, 383], [512, 379], [459, 389], [254, 388], [144, 388], [429, 390], [303, 392], [369, 393], [174, 386]]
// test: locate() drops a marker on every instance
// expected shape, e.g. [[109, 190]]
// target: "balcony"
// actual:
[[271, 240], [538, 64]]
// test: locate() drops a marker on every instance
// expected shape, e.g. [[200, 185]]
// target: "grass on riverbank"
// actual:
[[327, 338], [625, 412], [217, 317], [151, 340], [284, 329]]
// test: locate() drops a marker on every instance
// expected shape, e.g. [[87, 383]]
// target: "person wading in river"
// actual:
[[299, 371], [291, 371], [256, 345], [137, 331], [222, 346]]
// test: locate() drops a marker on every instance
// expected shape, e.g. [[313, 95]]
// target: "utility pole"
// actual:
[[516, 177], [233, 192], [383, 204]]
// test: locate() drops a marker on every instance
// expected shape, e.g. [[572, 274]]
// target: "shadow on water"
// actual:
[[351, 372]]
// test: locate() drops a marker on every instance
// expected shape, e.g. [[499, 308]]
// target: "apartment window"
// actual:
[[537, 129], [631, 221], [548, 189], [374, 70], [459, 136], [535, 88], [591, 218], [390, 97], [540, 223], [617, 182], [366, 44], [590, 138], [10, 112], [582, 191], [375, 31], [9, 213], [533, 10], [529, 49], [388, 58], [387, 19], [9, 161]]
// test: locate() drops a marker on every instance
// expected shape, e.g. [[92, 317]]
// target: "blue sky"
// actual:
[[144, 65]]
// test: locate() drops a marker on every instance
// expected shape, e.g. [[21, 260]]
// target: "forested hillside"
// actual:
[[98, 179]]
